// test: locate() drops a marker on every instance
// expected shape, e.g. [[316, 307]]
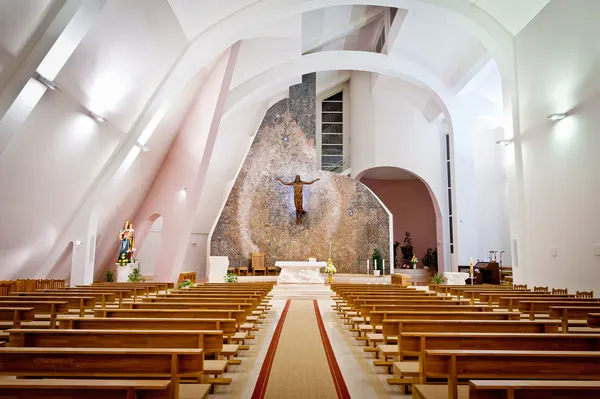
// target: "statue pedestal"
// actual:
[[123, 272]]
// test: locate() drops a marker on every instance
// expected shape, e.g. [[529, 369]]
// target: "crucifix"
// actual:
[[298, 184]]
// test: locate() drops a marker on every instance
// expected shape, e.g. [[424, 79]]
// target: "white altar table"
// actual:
[[456, 278], [300, 272]]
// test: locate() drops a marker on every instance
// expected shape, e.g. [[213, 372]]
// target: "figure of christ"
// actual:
[[298, 184]]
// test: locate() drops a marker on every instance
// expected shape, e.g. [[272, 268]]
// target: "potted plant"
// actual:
[[377, 262], [185, 284], [109, 276], [413, 261], [438, 279], [231, 278], [407, 249], [430, 258], [136, 276], [330, 270]]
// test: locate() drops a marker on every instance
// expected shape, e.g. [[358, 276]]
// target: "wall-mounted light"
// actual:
[[142, 147], [96, 117], [46, 82], [557, 116], [78, 243], [505, 142]]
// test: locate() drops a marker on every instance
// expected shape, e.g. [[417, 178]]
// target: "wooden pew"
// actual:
[[511, 302], [253, 301], [121, 293], [246, 307], [228, 326], [365, 310], [53, 308], [566, 313], [101, 297], [395, 327], [543, 306], [89, 389], [482, 364], [209, 340], [147, 289], [17, 315], [593, 320], [103, 362], [497, 297], [74, 302], [533, 389], [238, 315], [377, 317]]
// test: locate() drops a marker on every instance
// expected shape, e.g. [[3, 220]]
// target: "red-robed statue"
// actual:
[[298, 184]]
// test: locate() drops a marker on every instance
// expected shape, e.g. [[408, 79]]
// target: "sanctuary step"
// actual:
[[301, 291]]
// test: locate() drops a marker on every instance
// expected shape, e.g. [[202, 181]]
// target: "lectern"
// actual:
[[488, 272]]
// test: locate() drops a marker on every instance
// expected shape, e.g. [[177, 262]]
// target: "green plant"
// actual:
[[407, 248], [109, 276], [430, 258], [377, 260], [185, 284], [231, 278], [438, 279], [136, 276]]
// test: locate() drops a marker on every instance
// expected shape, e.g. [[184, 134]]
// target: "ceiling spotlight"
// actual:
[[78, 243], [557, 116], [46, 82], [96, 117], [505, 142], [142, 147]]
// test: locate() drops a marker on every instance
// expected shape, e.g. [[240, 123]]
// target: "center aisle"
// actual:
[[300, 362]]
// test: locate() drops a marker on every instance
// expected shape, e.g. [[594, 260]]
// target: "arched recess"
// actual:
[[147, 254], [413, 205]]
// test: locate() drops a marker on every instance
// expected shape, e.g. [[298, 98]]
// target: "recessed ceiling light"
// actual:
[[557, 116], [96, 117]]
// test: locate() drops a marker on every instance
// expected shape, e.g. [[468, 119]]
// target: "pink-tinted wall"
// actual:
[[410, 203]]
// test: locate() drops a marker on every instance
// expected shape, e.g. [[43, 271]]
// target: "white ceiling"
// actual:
[[18, 20], [513, 14], [388, 173]]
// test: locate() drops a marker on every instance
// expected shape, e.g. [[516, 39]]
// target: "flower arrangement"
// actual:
[[330, 268], [231, 278], [185, 284], [136, 276], [414, 261]]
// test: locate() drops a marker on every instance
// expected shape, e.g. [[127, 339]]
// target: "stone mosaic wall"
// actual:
[[259, 215]]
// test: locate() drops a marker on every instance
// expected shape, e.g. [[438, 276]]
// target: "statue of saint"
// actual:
[[126, 236], [298, 184]]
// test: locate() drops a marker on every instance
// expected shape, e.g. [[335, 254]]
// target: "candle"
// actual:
[[383, 271], [329, 250], [367, 266], [471, 269]]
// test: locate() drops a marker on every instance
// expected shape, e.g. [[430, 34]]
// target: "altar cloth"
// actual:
[[456, 278], [300, 272]]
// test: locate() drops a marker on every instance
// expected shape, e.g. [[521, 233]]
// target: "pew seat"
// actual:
[[90, 389], [430, 391], [533, 389]]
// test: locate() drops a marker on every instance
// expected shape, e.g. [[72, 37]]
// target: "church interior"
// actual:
[[299, 199]]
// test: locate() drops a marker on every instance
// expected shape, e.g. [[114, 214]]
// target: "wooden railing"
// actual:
[[24, 285]]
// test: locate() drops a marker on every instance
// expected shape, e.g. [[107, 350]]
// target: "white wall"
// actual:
[[491, 187], [387, 130], [558, 66]]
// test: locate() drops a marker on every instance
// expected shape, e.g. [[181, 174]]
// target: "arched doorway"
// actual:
[[414, 210]]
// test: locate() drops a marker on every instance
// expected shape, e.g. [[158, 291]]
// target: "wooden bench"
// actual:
[[120, 293], [543, 307], [53, 308], [74, 302], [254, 302], [533, 389], [17, 315], [227, 326], [101, 297], [377, 318], [173, 364], [89, 389], [566, 313], [245, 307], [464, 364], [238, 315], [593, 320], [209, 340]]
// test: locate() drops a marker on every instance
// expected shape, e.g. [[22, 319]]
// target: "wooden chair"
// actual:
[[520, 286], [242, 270], [232, 270], [540, 289], [273, 269], [258, 263], [559, 291], [584, 294]]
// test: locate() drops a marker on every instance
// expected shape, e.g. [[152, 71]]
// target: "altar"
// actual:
[[300, 272]]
